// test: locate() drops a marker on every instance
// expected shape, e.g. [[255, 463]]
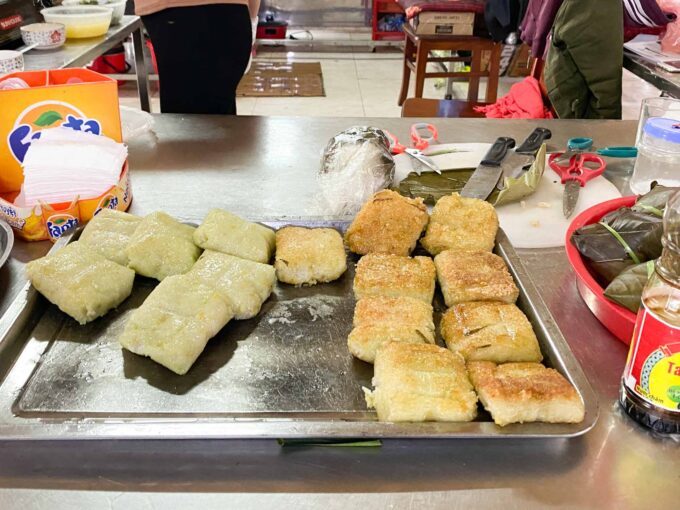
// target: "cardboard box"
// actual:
[[274, 79], [444, 28], [74, 98], [446, 18]]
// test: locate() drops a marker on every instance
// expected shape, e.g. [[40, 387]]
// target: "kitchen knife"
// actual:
[[486, 176], [534, 141], [521, 159]]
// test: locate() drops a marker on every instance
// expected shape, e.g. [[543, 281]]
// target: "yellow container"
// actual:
[[74, 98]]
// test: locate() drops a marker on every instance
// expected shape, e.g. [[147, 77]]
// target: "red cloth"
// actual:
[[524, 101]]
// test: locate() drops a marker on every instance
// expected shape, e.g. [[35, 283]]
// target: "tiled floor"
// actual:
[[361, 83]]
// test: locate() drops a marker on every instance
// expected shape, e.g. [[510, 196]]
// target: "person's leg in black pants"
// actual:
[[202, 53]]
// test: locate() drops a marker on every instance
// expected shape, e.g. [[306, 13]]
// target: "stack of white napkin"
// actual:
[[64, 164]]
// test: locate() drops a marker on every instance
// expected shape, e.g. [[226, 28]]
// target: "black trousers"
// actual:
[[202, 53]]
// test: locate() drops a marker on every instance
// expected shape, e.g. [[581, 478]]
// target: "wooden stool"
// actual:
[[417, 54]]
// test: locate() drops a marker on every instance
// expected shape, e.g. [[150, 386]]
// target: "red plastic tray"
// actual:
[[617, 319]]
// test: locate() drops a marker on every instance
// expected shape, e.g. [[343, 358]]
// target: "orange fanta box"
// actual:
[[78, 99], [50, 221]]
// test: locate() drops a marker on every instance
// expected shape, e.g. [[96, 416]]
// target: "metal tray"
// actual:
[[286, 373], [6, 241]]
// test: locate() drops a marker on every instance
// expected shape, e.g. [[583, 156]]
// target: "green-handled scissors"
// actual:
[[584, 144]]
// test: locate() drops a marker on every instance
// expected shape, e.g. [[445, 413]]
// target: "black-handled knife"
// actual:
[[482, 182], [498, 150], [534, 141]]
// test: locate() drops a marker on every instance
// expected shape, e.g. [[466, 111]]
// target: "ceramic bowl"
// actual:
[[11, 62], [46, 35]]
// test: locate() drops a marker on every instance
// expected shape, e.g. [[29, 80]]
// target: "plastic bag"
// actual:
[[355, 164], [670, 42], [135, 123]]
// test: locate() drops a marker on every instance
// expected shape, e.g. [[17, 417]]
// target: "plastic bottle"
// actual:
[[658, 155], [650, 386]]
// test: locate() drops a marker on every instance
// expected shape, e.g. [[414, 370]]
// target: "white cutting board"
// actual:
[[533, 226]]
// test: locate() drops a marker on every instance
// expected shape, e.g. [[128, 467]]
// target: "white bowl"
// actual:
[[117, 6], [11, 62], [81, 21], [46, 35]]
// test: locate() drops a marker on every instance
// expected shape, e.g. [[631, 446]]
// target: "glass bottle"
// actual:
[[650, 386]]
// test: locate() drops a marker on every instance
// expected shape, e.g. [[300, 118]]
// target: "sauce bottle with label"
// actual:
[[650, 386]]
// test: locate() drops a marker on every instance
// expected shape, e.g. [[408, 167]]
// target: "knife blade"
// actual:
[[483, 181], [570, 198], [521, 159]]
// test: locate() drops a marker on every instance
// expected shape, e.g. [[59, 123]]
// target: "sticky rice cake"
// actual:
[[379, 274], [309, 255], [382, 319], [244, 284], [80, 281], [227, 233], [421, 382], [109, 233], [161, 247], [175, 322], [525, 392], [459, 223], [490, 331], [387, 223], [474, 276]]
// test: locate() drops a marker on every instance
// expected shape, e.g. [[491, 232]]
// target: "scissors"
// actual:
[[583, 144], [417, 154], [575, 175]]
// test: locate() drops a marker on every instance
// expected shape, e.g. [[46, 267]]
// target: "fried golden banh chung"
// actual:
[[227, 233], [109, 234], [490, 331], [161, 246], [525, 392], [387, 223], [382, 319], [80, 281], [421, 382], [307, 256], [474, 276], [380, 274], [461, 224]]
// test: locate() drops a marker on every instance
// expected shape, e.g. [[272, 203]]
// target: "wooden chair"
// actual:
[[420, 107], [417, 55]]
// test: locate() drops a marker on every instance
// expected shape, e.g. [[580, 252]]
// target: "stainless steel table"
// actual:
[[266, 167], [651, 73], [78, 52]]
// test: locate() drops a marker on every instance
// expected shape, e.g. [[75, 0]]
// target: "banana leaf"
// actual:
[[655, 201], [629, 238], [626, 288], [431, 186]]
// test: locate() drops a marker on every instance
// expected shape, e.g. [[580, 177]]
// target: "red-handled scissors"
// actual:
[[417, 154], [575, 175]]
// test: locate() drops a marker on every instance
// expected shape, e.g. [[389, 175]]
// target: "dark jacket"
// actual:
[[585, 59], [537, 22]]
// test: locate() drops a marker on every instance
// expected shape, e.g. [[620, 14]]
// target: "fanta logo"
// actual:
[[43, 115], [60, 223], [107, 202]]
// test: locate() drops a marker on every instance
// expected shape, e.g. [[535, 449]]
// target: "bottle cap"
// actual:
[[665, 129]]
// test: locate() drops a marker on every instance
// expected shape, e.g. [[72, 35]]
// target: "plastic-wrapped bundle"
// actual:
[[355, 164], [624, 237]]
